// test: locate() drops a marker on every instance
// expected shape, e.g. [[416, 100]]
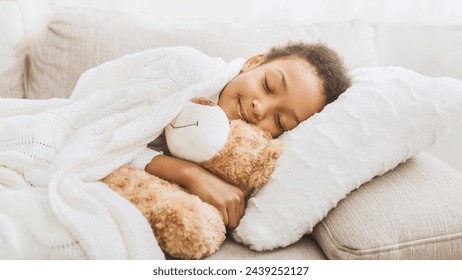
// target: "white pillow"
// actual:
[[388, 115], [12, 50]]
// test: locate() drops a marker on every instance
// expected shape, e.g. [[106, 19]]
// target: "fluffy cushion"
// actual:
[[387, 116], [75, 39], [11, 50], [411, 212]]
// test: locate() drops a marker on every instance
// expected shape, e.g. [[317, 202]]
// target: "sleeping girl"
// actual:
[[54, 152], [275, 91]]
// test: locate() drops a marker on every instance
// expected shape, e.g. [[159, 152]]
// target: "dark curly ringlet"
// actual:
[[327, 63]]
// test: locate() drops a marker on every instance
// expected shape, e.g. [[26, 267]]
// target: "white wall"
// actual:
[[374, 11]]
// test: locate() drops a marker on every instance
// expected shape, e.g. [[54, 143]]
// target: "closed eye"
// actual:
[[278, 122], [266, 85]]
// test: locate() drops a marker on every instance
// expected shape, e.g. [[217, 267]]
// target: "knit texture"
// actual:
[[54, 152]]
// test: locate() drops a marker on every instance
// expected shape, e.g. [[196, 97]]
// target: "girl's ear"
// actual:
[[252, 62]]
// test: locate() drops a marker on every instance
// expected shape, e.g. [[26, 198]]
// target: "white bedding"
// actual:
[[54, 152], [388, 115]]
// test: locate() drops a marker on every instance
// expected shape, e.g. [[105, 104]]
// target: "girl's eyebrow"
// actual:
[[283, 79]]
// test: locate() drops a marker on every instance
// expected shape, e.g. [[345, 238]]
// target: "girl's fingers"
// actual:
[[242, 209], [224, 214]]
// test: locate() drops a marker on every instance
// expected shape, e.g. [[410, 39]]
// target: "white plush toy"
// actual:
[[198, 132]]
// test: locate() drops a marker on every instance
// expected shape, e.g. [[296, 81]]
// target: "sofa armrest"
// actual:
[[411, 212], [12, 50]]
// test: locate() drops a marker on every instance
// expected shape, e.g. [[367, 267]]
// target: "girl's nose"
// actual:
[[258, 109]]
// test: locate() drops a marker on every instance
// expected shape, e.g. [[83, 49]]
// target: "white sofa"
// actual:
[[411, 212]]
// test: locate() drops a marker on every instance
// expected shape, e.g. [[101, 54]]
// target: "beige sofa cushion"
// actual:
[[411, 212], [74, 39], [304, 249], [11, 50]]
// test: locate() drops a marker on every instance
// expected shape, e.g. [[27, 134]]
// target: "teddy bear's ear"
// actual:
[[203, 101], [265, 164]]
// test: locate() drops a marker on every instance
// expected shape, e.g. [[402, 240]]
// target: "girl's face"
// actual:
[[275, 96]]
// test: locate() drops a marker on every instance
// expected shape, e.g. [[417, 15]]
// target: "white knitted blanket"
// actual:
[[54, 152]]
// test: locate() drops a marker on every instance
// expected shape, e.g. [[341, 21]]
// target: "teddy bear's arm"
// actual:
[[203, 101]]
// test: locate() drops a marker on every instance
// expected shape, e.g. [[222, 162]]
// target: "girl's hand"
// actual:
[[228, 199]]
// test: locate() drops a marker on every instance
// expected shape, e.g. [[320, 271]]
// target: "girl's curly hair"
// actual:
[[327, 63]]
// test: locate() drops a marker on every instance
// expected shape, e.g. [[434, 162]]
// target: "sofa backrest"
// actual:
[[74, 39]]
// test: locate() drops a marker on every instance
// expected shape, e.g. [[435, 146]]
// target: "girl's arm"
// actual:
[[228, 199]]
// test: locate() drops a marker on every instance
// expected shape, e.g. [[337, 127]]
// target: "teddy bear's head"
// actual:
[[239, 152]]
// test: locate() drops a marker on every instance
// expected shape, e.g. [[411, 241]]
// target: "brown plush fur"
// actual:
[[184, 226], [247, 159]]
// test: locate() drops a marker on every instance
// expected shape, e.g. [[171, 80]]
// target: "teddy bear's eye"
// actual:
[[186, 125]]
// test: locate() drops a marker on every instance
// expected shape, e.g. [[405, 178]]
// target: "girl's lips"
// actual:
[[241, 111]]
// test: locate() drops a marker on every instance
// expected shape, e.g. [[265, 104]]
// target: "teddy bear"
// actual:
[[241, 153]]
